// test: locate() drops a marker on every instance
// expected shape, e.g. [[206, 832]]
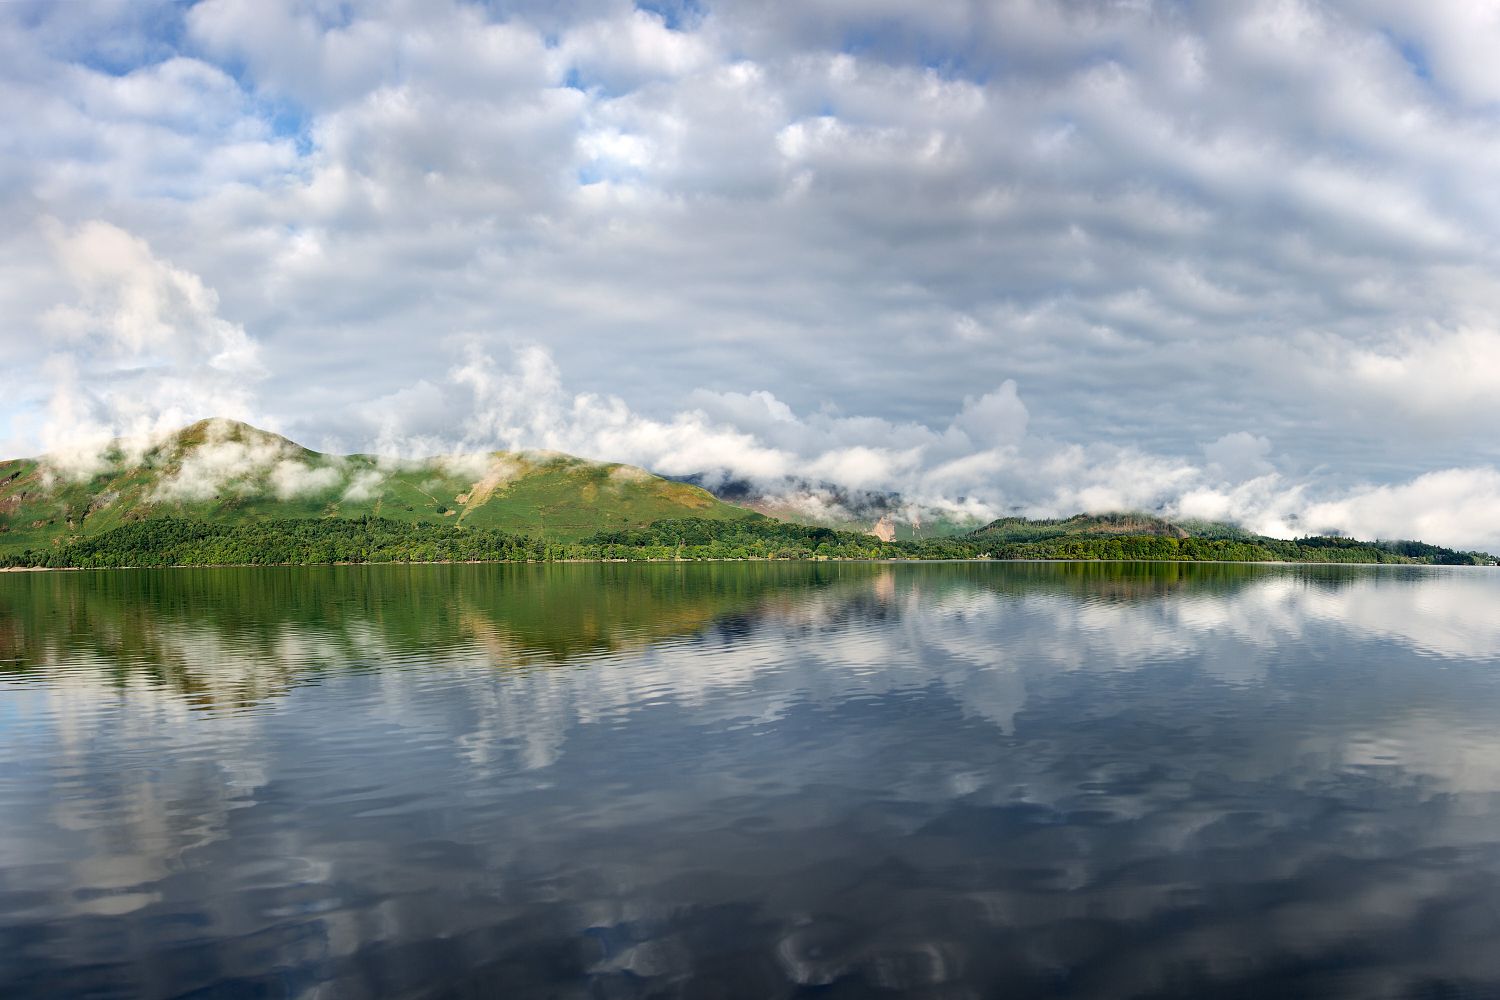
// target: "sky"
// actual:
[[1231, 260]]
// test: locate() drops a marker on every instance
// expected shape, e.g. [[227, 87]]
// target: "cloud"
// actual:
[[136, 306], [232, 458], [1448, 375], [1239, 456], [157, 353], [1449, 37], [290, 478], [632, 48], [1445, 507], [363, 486], [997, 417]]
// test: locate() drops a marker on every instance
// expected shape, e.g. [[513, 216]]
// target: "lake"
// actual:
[[751, 780]]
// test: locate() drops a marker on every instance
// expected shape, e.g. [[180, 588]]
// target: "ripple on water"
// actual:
[[750, 781]]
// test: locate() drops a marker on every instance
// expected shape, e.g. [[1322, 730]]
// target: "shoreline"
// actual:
[[687, 562]]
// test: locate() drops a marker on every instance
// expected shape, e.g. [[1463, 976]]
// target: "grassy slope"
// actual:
[[553, 496]]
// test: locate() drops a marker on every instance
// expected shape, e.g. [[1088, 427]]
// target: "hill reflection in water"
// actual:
[[750, 780]]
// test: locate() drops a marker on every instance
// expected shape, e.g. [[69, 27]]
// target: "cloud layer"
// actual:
[[1235, 259]]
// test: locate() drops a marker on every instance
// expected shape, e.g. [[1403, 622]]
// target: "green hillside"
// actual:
[[1021, 529], [1145, 536], [229, 473], [221, 492], [167, 540]]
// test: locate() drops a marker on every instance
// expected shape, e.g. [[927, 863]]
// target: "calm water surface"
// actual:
[[751, 781]]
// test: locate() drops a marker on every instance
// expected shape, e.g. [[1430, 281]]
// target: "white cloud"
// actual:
[[995, 418], [633, 47], [159, 356], [1239, 456], [1446, 375], [295, 49], [1450, 507], [139, 307], [225, 461], [1451, 39], [291, 478], [363, 486]]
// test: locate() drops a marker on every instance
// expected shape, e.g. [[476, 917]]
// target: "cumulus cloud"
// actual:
[[139, 307], [997, 417], [1438, 506], [1446, 376], [139, 351], [1239, 456]]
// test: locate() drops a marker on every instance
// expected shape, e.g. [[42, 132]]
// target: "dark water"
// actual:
[[751, 781]]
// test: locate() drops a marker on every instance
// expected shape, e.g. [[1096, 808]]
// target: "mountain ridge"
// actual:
[[221, 490], [227, 471]]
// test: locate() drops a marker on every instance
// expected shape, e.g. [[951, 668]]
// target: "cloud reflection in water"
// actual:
[[752, 780]]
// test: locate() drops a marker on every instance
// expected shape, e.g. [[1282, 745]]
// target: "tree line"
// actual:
[[177, 541]]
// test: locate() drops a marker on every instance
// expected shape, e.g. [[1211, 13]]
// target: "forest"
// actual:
[[176, 541]]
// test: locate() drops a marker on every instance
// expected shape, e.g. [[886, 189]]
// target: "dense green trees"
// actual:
[[175, 541]]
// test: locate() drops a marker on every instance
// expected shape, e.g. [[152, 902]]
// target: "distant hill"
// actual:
[[167, 540], [1083, 533], [1021, 529], [828, 505], [228, 473]]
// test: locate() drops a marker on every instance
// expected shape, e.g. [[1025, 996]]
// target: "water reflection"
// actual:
[[941, 780]]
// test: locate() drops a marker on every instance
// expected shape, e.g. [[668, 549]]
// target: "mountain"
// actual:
[[829, 505], [224, 493], [226, 472]]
